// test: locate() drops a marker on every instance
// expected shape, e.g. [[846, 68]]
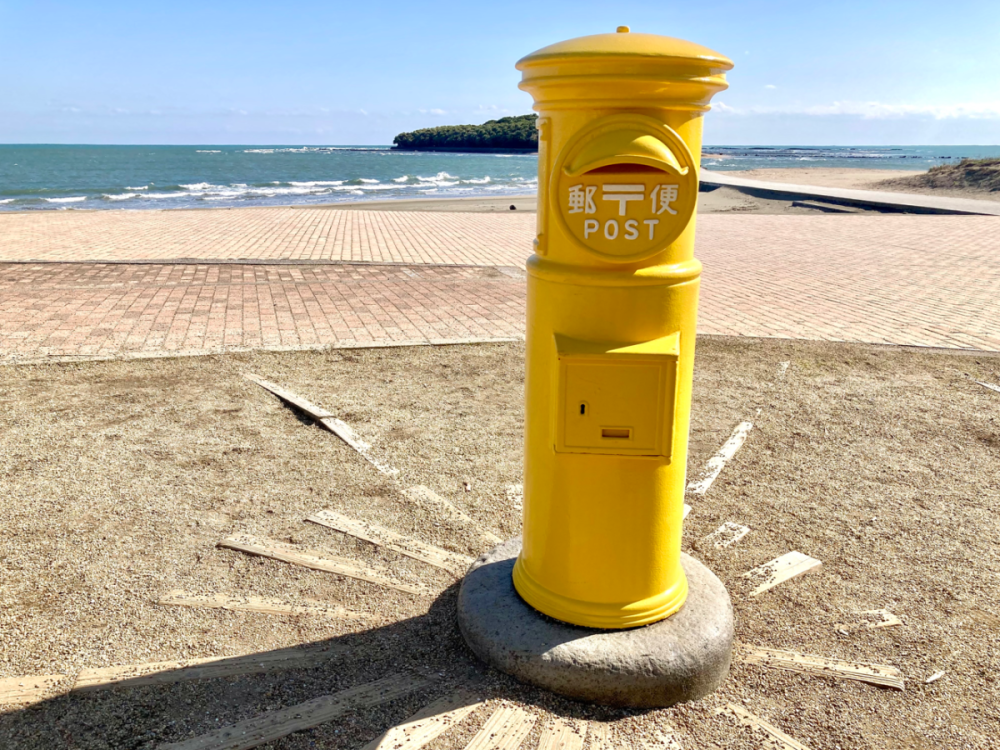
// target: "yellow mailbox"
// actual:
[[612, 305]]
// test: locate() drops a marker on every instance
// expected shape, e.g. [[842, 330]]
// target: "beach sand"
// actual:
[[890, 180]]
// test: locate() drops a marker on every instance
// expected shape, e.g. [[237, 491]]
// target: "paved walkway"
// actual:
[[917, 203], [924, 280]]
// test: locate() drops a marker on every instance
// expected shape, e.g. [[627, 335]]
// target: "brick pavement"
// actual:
[[931, 281]]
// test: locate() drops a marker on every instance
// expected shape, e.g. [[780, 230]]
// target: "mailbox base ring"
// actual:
[[681, 658]]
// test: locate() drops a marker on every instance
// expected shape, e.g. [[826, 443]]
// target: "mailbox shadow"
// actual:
[[140, 714]]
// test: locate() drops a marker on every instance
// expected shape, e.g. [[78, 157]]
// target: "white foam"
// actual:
[[315, 183], [478, 182], [120, 196], [154, 196], [75, 199], [207, 152], [368, 182], [144, 187], [259, 151], [8, 200], [404, 178], [203, 186], [438, 176]]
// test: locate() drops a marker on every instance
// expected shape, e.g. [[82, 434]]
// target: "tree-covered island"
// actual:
[[506, 134]]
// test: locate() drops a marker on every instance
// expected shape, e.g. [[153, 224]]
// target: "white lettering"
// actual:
[[576, 199], [611, 223], [589, 226], [623, 194], [591, 208], [651, 223], [667, 195], [631, 229]]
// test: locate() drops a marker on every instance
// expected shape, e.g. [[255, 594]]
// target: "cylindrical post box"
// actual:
[[612, 305]]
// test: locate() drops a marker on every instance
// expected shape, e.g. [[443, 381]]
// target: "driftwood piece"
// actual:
[[779, 570], [23, 691], [166, 672], [427, 724], [506, 729], [317, 561], [561, 734], [717, 462], [869, 620], [727, 534], [277, 724], [779, 740], [876, 674], [427, 498], [418, 550], [325, 418], [259, 604]]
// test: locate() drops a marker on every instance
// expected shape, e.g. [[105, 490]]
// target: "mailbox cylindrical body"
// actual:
[[612, 306]]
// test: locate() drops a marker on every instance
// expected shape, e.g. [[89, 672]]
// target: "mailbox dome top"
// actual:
[[624, 44]]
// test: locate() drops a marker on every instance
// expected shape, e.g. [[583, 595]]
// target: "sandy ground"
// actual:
[[861, 179], [721, 200], [118, 480]]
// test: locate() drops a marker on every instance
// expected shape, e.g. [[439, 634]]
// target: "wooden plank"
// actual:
[[663, 739], [727, 534], [506, 729], [561, 734], [869, 620], [988, 385], [717, 462], [876, 674], [317, 561], [325, 418], [166, 672], [427, 498], [779, 570], [600, 736], [404, 545], [297, 401], [780, 740], [23, 691], [259, 604], [427, 724], [277, 724]]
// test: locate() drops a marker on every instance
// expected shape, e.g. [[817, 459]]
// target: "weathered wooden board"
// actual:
[[327, 563], [779, 570], [561, 734], [259, 604], [664, 739], [427, 724], [23, 691], [871, 619], [727, 534], [427, 498], [297, 401], [277, 724], [166, 672], [369, 532], [329, 421], [506, 729], [876, 674], [600, 736], [717, 462], [779, 738]]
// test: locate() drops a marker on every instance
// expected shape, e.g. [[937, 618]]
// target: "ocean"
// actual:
[[43, 177]]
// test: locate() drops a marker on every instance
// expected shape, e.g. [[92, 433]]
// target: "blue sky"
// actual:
[[303, 72]]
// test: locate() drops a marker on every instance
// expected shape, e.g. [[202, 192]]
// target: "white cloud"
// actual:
[[770, 86], [875, 110]]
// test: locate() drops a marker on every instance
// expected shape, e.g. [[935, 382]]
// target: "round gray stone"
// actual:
[[678, 659]]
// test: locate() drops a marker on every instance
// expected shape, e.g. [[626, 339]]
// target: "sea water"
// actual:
[[135, 177]]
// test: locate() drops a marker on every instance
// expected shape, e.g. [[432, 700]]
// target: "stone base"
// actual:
[[678, 659]]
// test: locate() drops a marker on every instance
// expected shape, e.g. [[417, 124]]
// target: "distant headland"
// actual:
[[506, 135]]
